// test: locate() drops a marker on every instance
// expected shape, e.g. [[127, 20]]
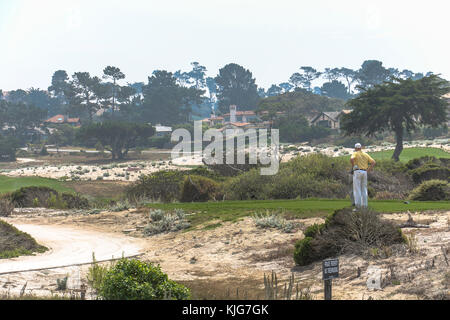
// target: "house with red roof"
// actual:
[[61, 119]]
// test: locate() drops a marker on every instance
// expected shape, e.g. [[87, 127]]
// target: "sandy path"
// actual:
[[70, 246]]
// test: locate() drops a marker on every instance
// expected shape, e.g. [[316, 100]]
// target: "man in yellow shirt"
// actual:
[[361, 164]]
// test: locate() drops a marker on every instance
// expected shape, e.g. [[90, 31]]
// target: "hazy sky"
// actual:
[[271, 38]]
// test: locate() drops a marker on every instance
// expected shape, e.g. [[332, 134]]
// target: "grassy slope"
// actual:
[[9, 184], [411, 153], [233, 210], [15, 243]]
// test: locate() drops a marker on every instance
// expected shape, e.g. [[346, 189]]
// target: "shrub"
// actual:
[[391, 166], [156, 215], [198, 189], [207, 173], [314, 175], [61, 284], [55, 202], [47, 197], [248, 186], [303, 252], [159, 186], [6, 206], [74, 201], [430, 171], [346, 232], [96, 274], [418, 162], [14, 243], [314, 230], [431, 190], [273, 221], [180, 214], [121, 206], [136, 280], [165, 222], [32, 196]]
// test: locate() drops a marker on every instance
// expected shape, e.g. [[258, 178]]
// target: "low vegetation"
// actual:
[[162, 221], [432, 190], [15, 243], [46, 197], [6, 206], [273, 221], [346, 232], [137, 280], [198, 189], [202, 212]]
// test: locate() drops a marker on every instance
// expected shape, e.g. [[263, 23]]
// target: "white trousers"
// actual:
[[360, 188]]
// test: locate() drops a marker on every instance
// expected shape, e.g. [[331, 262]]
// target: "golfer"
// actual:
[[361, 164]]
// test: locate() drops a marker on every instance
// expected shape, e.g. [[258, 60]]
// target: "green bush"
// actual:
[[14, 243], [199, 189], [248, 186], [431, 190], [390, 166], [303, 252], [32, 196], [430, 171], [314, 175], [418, 162], [74, 201], [159, 186], [167, 185], [313, 230], [136, 280], [48, 198]]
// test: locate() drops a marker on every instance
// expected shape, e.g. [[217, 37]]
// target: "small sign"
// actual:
[[330, 269]]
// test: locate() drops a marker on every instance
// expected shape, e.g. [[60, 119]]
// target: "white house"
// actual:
[[162, 130]]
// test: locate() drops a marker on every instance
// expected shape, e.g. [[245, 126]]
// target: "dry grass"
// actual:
[[99, 189], [227, 289]]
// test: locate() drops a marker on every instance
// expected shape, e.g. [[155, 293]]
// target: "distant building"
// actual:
[[329, 119], [234, 116], [162, 130], [240, 116], [61, 119]]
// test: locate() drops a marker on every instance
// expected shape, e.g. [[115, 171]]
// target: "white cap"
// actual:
[[358, 146]]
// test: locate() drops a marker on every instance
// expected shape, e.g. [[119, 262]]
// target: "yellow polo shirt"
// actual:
[[362, 159]]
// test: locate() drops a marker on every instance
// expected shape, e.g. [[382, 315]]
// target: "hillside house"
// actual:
[[61, 119], [329, 119], [162, 130]]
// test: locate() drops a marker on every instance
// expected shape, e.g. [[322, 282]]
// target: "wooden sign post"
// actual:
[[330, 269]]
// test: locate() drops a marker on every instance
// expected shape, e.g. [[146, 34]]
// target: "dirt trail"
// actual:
[[69, 246], [235, 255]]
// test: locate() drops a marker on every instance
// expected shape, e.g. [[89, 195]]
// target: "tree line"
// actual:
[[178, 97]]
